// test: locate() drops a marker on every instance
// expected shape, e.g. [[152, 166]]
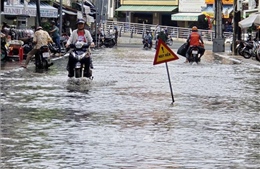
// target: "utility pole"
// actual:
[[258, 5], [60, 17], [38, 12], [236, 28], [219, 41]]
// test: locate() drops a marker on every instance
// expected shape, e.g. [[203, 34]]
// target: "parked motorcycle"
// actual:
[[79, 51], [194, 55], [3, 47], [250, 49], [42, 58]]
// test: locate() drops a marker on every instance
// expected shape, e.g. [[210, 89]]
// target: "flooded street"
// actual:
[[124, 118]]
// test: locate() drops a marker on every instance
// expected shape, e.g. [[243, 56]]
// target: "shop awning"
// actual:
[[227, 9], [46, 10], [146, 8], [185, 16], [69, 12]]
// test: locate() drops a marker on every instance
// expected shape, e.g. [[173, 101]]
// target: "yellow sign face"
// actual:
[[164, 53]]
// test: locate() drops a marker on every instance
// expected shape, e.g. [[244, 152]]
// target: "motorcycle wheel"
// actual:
[[246, 54], [3, 54], [239, 51], [77, 73], [258, 55], [169, 43]]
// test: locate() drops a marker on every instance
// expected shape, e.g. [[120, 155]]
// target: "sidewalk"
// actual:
[[137, 40]]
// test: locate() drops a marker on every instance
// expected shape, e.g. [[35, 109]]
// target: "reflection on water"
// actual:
[[123, 118]]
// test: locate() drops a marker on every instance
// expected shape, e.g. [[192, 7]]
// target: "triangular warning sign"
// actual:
[[163, 53]]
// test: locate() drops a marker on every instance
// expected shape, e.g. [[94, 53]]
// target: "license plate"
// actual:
[[194, 52], [78, 65], [45, 54]]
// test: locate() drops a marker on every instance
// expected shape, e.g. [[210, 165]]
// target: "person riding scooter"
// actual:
[[195, 39], [41, 38], [83, 35]]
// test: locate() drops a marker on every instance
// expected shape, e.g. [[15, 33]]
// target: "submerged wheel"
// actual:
[[78, 73]]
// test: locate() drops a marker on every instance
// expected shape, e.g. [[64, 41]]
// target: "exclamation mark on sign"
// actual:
[[162, 49]]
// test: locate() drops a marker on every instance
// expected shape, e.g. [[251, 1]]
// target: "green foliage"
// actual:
[[46, 26]]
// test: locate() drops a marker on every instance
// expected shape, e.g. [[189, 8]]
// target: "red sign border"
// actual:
[[160, 42]]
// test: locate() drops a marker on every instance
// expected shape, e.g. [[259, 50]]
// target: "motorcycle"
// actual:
[[169, 41], [250, 49], [79, 51], [108, 41], [42, 58], [194, 55], [3, 48]]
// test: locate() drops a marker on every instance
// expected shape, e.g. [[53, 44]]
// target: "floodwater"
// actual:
[[124, 118]]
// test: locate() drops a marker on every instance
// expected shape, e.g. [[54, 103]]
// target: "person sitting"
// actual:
[[79, 34], [194, 39], [41, 38]]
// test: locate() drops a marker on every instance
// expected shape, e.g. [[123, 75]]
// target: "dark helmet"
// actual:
[[80, 21], [39, 28]]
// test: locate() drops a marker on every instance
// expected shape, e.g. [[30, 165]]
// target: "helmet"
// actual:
[[80, 21], [194, 28], [38, 28], [53, 22], [162, 30]]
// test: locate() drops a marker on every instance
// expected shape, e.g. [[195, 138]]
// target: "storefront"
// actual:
[[13, 12], [189, 10], [149, 12]]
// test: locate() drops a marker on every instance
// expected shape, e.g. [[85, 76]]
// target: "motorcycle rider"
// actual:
[[79, 34], [55, 35], [149, 38], [41, 38], [195, 39], [161, 36]]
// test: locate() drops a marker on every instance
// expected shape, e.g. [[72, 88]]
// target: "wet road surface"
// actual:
[[124, 118]]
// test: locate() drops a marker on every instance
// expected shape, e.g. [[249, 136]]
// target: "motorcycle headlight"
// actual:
[[79, 45]]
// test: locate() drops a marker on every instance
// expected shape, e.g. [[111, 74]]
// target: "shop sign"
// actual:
[[191, 5], [31, 11]]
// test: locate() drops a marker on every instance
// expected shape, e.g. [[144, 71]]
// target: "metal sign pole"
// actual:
[[169, 81]]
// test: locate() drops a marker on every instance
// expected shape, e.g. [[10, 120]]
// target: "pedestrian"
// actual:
[[116, 35], [56, 36], [257, 36], [41, 38], [4, 28]]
